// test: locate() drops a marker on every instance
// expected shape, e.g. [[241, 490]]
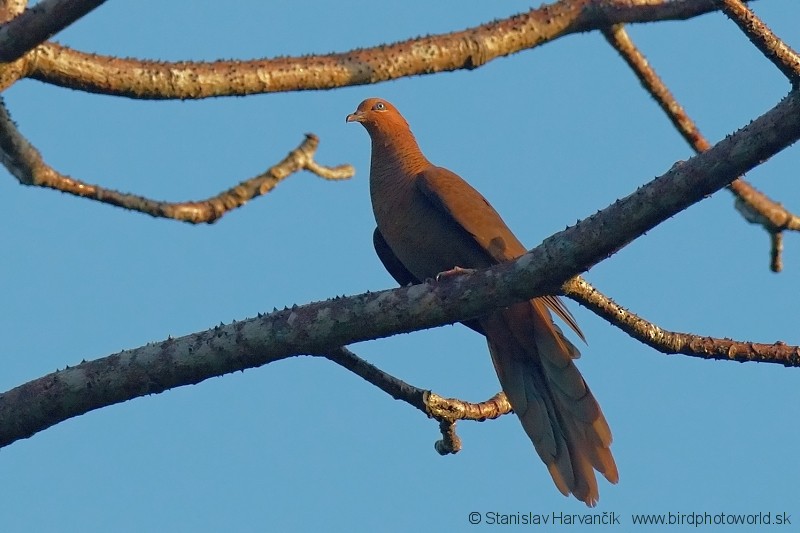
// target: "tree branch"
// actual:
[[38, 23], [467, 49], [450, 410], [394, 387], [773, 48], [314, 328], [753, 205], [11, 72], [27, 165], [445, 410], [670, 342]]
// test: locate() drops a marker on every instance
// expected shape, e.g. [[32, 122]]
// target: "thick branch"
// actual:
[[755, 206], [670, 342], [39, 23], [777, 51], [314, 328], [467, 49], [28, 166]]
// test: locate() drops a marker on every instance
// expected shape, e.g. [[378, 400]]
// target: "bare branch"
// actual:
[[450, 410], [28, 166], [670, 342], [446, 410], [450, 442], [467, 49], [777, 51], [39, 23], [314, 328], [776, 251], [756, 207], [454, 409], [394, 387]]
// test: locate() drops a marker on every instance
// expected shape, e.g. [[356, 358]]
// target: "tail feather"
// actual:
[[585, 488], [534, 362], [528, 401]]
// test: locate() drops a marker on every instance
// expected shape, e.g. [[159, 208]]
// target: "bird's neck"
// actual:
[[396, 153]]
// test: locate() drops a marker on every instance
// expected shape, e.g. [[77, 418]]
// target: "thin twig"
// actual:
[[755, 206], [25, 162], [38, 23], [466, 49], [781, 54], [450, 442], [776, 263], [670, 342], [445, 410], [394, 387]]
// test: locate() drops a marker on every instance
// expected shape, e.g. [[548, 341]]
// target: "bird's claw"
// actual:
[[455, 271]]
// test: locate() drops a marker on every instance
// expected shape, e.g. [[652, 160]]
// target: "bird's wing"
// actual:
[[400, 273], [390, 261], [469, 210]]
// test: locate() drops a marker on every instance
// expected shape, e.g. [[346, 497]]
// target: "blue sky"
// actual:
[[549, 136]]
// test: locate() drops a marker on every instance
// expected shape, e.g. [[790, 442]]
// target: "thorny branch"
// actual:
[[752, 204], [28, 166], [670, 342], [56, 397], [314, 328], [467, 49], [447, 411], [773, 48]]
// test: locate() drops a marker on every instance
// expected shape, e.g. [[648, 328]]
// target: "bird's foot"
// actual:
[[455, 271]]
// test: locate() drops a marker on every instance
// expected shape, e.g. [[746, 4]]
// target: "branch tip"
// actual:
[[778, 52], [776, 251], [670, 342], [450, 443], [752, 204], [28, 166]]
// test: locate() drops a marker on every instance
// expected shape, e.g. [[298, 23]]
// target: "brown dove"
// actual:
[[431, 221]]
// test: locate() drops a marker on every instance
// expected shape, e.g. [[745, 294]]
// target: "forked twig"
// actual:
[[752, 204], [25, 162], [445, 410]]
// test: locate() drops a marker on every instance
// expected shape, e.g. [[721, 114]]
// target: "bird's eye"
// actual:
[[380, 106]]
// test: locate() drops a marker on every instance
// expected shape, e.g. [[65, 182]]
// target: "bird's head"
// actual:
[[378, 116]]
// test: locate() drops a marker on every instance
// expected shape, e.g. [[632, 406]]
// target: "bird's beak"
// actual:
[[358, 116]]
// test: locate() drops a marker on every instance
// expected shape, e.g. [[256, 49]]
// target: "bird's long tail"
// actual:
[[534, 362]]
